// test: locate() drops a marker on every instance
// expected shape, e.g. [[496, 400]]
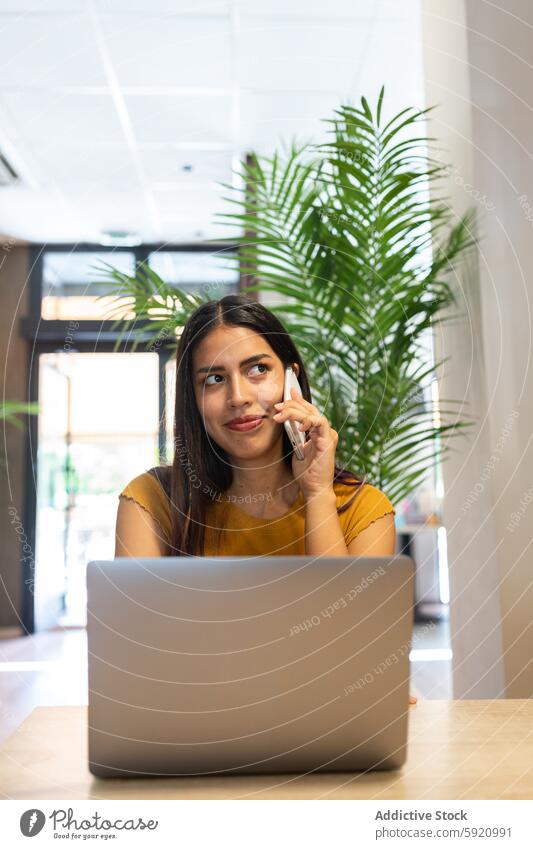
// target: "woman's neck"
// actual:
[[273, 485]]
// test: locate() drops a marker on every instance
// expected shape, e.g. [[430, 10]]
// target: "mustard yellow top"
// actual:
[[230, 530]]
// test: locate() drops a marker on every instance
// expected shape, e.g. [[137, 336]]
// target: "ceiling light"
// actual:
[[128, 238]]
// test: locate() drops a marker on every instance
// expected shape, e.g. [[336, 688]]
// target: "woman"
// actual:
[[237, 488], [231, 362]]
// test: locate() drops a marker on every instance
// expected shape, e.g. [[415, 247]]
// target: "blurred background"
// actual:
[[119, 123]]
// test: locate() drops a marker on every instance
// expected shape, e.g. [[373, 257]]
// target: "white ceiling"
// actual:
[[102, 102]]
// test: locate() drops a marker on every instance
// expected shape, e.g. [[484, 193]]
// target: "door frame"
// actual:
[[35, 349], [92, 336]]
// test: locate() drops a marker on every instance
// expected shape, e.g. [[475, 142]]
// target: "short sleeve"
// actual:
[[146, 491], [370, 504]]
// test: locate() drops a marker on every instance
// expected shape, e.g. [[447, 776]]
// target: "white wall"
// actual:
[[478, 62]]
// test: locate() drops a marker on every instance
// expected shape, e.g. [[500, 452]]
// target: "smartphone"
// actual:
[[297, 437]]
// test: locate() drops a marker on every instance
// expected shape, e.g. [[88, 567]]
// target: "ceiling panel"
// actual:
[[170, 7], [390, 10], [318, 57], [38, 215], [181, 119], [118, 211], [168, 165], [192, 227], [163, 51], [75, 167], [106, 210], [51, 51], [190, 202], [306, 9], [59, 117], [268, 119], [187, 200], [182, 84], [43, 7]]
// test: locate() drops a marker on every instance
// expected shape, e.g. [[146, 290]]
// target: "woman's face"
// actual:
[[237, 374]]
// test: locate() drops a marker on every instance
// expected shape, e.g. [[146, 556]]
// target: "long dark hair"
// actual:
[[196, 456]]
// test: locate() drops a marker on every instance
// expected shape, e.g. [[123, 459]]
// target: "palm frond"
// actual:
[[12, 412], [345, 234], [359, 260], [159, 308]]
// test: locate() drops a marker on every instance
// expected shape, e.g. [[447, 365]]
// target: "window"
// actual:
[[98, 429], [209, 273], [72, 282]]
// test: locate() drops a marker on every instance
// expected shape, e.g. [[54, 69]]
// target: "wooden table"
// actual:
[[457, 750]]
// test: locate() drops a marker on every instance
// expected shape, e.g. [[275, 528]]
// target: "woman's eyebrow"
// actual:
[[242, 363]]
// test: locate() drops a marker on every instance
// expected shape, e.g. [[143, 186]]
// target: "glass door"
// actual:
[[98, 428]]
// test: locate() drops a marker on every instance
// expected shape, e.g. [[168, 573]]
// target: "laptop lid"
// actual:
[[201, 666]]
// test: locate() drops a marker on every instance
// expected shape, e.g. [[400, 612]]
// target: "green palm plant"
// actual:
[[159, 308], [356, 259], [12, 413]]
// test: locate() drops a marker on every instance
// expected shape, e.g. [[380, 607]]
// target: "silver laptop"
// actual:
[[216, 665]]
